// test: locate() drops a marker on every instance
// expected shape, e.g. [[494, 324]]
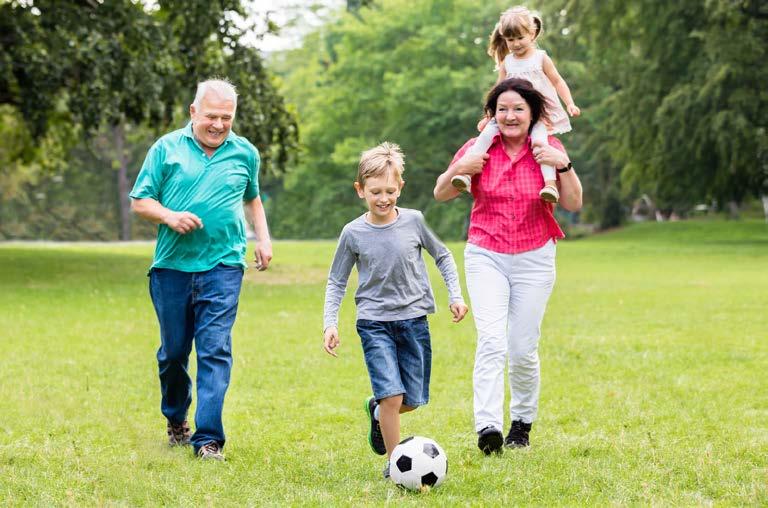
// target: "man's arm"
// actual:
[[151, 210], [263, 252]]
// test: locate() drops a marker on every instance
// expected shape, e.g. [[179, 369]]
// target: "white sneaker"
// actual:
[[462, 183], [549, 194]]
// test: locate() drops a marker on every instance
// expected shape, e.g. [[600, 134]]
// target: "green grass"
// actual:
[[654, 392]]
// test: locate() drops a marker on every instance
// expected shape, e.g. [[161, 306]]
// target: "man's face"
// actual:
[[212, 120]]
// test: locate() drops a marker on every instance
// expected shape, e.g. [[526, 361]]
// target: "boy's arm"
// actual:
[[443, 259], [560, 85], [343, 261]]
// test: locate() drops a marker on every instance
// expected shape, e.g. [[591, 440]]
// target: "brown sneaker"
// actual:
[[549, 194], [178, 433], [462, 183], [210, 451]]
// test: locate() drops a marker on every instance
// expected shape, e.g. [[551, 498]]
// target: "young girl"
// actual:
[[513, 48], [393, 295]]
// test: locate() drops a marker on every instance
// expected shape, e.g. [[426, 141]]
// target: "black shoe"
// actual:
[[518, 435], [490, 440], [375, 438]]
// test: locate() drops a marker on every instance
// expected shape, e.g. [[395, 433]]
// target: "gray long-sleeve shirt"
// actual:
[[392, 278]]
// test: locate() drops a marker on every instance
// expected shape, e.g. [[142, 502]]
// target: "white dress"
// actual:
[[532, 69]]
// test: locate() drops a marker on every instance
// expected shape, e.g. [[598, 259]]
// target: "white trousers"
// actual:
[[509, 293]]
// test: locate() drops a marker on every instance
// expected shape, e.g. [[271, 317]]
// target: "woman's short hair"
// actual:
[[535, 100], [379, 160]]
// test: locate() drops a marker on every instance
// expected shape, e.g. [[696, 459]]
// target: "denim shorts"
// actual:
[[398, 355]]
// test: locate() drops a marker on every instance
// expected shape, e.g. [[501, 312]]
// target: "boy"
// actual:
[[393, 296]]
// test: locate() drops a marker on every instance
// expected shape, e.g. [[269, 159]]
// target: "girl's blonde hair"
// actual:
[[513, 22], [379, 160]]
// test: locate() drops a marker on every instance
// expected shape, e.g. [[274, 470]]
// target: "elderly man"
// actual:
[[194, 183]]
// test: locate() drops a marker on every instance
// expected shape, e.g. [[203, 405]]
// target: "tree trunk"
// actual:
[[118, 134], [765, 206], [733, 209]]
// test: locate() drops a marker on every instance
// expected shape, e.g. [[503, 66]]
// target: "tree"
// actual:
[[686, 106], [125, 67], [413, 73]]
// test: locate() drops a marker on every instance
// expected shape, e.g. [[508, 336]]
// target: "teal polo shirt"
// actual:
[[178, 174]]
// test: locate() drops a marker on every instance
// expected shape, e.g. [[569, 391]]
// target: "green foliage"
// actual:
[[408, 72], [78, 198], [128, 67], [686, 105], [641, 405], [671, 92]]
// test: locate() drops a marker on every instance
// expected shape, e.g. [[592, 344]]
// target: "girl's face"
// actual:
[[380, 194], [520, 45], [513, 115]]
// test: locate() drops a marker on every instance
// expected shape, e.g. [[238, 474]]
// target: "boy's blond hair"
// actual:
[[379, 160]]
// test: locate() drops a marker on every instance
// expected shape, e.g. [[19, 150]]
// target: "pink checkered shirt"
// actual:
[[508, 216]]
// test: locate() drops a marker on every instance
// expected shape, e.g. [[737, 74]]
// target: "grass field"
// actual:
[[654, 364]]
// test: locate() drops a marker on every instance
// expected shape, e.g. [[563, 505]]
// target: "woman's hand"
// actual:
[[469, 164], [550, 156]]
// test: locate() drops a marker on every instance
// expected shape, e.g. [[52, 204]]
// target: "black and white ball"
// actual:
[[418, 462]]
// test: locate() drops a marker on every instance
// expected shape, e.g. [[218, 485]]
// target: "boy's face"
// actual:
[[380, 194]]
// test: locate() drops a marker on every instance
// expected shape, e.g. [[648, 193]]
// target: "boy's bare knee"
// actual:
[[395, 402], [406, 409]]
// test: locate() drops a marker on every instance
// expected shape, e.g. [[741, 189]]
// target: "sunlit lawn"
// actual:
[[655, 383]]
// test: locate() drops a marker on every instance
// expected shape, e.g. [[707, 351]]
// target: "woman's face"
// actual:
[[513, 115]]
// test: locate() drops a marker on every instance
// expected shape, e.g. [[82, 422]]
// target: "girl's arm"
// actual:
[[560, 85], [502, 73]]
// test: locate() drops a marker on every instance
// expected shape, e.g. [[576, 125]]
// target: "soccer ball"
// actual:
[[418, 462]]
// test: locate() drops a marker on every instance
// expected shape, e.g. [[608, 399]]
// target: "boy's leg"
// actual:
[[216, 298], [389, 418], [539, 138], [172, 298], [380, 353]]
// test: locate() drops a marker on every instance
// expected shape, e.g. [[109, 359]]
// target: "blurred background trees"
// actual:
[[672, 94], [86, 86]]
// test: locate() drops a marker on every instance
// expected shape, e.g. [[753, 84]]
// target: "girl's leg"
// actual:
[[549, 192], [484, 140], [482, 144], [389, 419]]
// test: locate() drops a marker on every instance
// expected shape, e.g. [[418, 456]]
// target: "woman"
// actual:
[[510, 257]]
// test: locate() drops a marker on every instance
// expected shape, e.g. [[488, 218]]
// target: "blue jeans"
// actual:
[[398, 355], [199, 306]]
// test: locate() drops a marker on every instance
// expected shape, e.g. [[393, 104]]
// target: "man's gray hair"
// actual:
[[221, 87]]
